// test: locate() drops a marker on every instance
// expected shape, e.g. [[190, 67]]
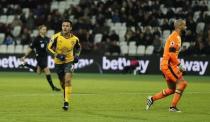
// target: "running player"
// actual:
[[172, 69]]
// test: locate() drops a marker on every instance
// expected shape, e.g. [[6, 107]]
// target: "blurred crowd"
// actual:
[[145, 22]]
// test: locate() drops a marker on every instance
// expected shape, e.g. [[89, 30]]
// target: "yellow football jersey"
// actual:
[[61, 45]]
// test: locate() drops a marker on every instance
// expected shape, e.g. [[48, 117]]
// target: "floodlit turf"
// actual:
[[26, 97]]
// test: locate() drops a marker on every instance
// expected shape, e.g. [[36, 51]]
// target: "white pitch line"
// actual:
[[88, 94]]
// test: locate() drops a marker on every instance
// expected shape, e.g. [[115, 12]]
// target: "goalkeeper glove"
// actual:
[[76, 59], [61, 57], [181, 68]]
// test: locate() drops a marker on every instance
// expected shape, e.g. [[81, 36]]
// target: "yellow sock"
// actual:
[[67, 93]]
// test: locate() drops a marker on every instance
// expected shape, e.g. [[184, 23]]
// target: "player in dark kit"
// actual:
[[39, 46]]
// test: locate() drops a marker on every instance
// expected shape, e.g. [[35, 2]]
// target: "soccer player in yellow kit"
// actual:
[[65, 48]]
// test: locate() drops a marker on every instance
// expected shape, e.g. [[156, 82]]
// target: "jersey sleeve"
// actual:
[[52, 45], [32, 45], [77, 48], [173, 49]]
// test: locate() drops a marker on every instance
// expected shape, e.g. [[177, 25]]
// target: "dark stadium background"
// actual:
[[111, 28], [113, 35]]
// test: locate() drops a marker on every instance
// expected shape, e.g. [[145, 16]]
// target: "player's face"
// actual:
[[43, 30], [66, 27]]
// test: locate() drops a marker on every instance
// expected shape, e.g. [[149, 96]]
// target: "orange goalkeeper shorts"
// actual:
[[172, 73]]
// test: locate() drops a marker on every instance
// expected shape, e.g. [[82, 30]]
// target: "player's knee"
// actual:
[[67, 83], [46, 70], [168, 91], [171, 91], [182, 85], [67, 79], [185, 83]]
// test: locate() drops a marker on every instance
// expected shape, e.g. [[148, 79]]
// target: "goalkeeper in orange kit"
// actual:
[[172, 69]]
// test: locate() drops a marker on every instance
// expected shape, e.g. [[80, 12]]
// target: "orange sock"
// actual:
[[178, 93], [162, 94], [176, 98]]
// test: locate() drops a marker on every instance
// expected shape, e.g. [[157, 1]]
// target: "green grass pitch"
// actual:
[[26, 97]]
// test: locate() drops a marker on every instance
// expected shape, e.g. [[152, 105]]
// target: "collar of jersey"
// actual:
[[65, 37]]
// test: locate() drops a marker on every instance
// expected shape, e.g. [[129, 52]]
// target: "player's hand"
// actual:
[[76, 59], [182, 68], [61, 57]]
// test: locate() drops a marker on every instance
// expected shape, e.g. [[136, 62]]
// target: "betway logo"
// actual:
[[120, 63], [83, 63], [195, 66], [14, 62]]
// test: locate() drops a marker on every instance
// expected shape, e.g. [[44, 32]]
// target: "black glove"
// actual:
[[61, 57], [76, 59]]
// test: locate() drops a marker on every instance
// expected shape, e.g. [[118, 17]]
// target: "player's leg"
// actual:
[[67, 90], [180, 87], [49, 79], [62, 80], [42, 65], [61, 77], [165, 92], [38, 69], [59, 68], [68, 85], [23, 63]]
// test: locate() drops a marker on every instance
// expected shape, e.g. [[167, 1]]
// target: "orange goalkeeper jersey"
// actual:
[[171, 51]]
